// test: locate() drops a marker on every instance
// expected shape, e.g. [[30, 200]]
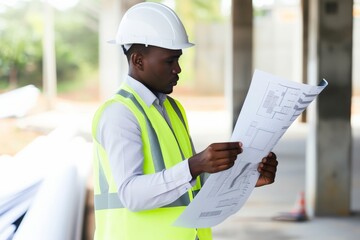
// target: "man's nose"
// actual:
[[177, 68]]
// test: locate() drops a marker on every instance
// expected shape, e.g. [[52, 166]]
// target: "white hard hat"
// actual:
[[153, 24]]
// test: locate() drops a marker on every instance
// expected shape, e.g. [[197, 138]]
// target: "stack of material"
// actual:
[[43, 188], [18, 102], [17, 192]]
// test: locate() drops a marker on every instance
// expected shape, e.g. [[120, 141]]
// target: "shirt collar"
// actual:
[[145, 94]]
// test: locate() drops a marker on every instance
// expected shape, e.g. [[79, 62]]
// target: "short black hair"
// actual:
[[141, 48]]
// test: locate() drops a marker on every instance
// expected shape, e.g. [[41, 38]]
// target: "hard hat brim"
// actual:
[[181, 46]]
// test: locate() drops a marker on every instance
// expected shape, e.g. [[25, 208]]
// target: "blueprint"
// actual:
[[271, 106]]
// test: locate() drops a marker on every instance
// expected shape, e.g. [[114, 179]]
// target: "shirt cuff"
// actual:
[[180, 174]]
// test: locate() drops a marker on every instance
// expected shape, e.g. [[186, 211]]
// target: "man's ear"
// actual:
[[137, 61]]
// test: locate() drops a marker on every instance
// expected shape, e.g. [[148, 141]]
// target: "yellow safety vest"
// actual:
[[163, 147]]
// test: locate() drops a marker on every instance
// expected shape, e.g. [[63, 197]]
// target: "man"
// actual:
[[146, 171]]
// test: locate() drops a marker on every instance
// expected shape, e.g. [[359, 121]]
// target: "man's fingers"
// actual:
[[270, 159], [224, 161], [226, 146], [272, 155], [268, 164], [222, 164], [228, 154], [267, 161], [267, 168]]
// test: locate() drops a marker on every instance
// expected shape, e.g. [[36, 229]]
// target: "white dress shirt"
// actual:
[[119, 133]]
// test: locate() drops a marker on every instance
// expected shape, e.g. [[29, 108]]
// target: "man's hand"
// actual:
[[215, 158], [267, 169]]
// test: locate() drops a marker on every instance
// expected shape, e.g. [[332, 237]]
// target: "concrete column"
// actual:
[[305, 45], [113, 66], [328, 168], [242, 44]]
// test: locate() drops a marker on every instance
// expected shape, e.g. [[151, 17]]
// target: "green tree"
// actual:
[[76, 45], [20, 44]]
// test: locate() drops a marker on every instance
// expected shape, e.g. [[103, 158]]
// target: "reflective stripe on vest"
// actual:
[[107, 200], [112, 219]]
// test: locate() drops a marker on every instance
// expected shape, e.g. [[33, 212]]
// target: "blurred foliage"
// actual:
[[20, 45], [76, 41], [21, 34]]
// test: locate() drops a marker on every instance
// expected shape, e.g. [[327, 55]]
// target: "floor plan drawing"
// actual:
[[235, 183], [279, 102], [272, 104]]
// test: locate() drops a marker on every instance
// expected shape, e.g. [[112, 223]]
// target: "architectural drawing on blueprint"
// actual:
[[279, 102], [238, 179], [259, 138], [271, 106], [284, 103], [231, 189], [302, 103]]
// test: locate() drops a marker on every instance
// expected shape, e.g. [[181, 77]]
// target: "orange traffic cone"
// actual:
[[297, 214]]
